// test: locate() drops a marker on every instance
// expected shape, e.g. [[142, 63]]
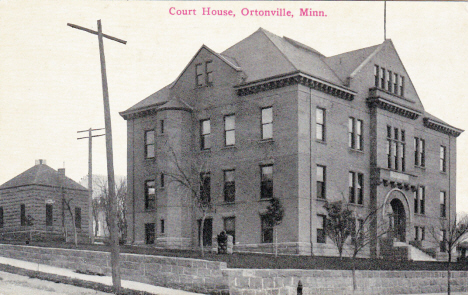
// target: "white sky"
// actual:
[[50, 80]]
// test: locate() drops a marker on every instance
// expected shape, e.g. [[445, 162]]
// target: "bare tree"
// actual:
[[448, 236], [346, 229], [67, 203], [193, 180], [274, 216], [339, 224], [104, 205], [367, 230]]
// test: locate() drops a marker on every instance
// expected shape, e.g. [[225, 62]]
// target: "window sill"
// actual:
[[420, 214], [321, 141], [150, 210], [229, 203], [206, 150], [265, 199], [420, 167], [267, 140], [229, 147], [443, 172], [355, 151]]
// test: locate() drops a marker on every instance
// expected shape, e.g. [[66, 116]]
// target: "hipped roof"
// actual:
[[41, 175]]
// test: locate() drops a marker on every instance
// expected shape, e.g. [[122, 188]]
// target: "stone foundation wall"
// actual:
[[214, 277], [340, 282], [180, 273]]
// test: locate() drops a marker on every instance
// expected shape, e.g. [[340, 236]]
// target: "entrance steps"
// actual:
[[414, 253]]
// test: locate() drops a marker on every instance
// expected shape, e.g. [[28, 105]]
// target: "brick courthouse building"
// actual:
[[270, 116], [32, 202]]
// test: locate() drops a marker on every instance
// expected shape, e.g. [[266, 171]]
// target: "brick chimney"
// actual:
[[61, 175]]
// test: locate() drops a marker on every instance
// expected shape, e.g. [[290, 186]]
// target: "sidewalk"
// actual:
[[107, 280]]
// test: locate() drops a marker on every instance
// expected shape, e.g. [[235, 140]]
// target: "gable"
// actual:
[[217, 61], [386, 57]]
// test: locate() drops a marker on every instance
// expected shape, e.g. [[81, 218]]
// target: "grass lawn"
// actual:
[[250, 260]]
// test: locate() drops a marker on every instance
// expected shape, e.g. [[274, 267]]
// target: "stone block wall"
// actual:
[[215, 278], [180, 273], [340, 282]]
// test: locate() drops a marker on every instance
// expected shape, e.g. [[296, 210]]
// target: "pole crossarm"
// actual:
[[91, 136], [87, 130], [96, 33]]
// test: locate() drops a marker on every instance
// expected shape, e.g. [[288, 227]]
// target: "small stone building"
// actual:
[[34, 205]]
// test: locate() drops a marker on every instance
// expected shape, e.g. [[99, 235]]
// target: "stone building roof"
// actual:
[[43, 175]]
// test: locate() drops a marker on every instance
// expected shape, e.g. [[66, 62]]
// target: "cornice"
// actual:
[[294, 79], [393, 107], [440, 127]]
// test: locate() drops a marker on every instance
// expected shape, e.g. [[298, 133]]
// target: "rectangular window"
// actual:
[[389, 81], [321, 177], [395, 83], [266, 189], [382, 78], [267, 123], [422, 198], [401, 153], [77, 217], [402, 85], [205, 134], [161, 180], [389, 154], [443, 204], [360, 188], [230, 130], [150, 233], [199, 75], [161, 126], [321, 234], [267, 231], [205, 187], [352, 188], [419, 233], [442, 162], [416, 201], [1, 217], [351, 133], [23, 214], [419, 152], [320, 124], [395, 155], [230, 227], [229, 186], [209, 72], [359, 135], [149, 144], [150, 195], [49, 215], [356, 183], [443, 240], [376, 76], [163, 229]]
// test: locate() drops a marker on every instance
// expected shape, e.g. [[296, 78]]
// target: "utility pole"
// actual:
[[90, 179], [116, 281]]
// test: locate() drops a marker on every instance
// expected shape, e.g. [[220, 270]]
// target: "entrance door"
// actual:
[[150, 233], [398, 221], [207, 231]]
